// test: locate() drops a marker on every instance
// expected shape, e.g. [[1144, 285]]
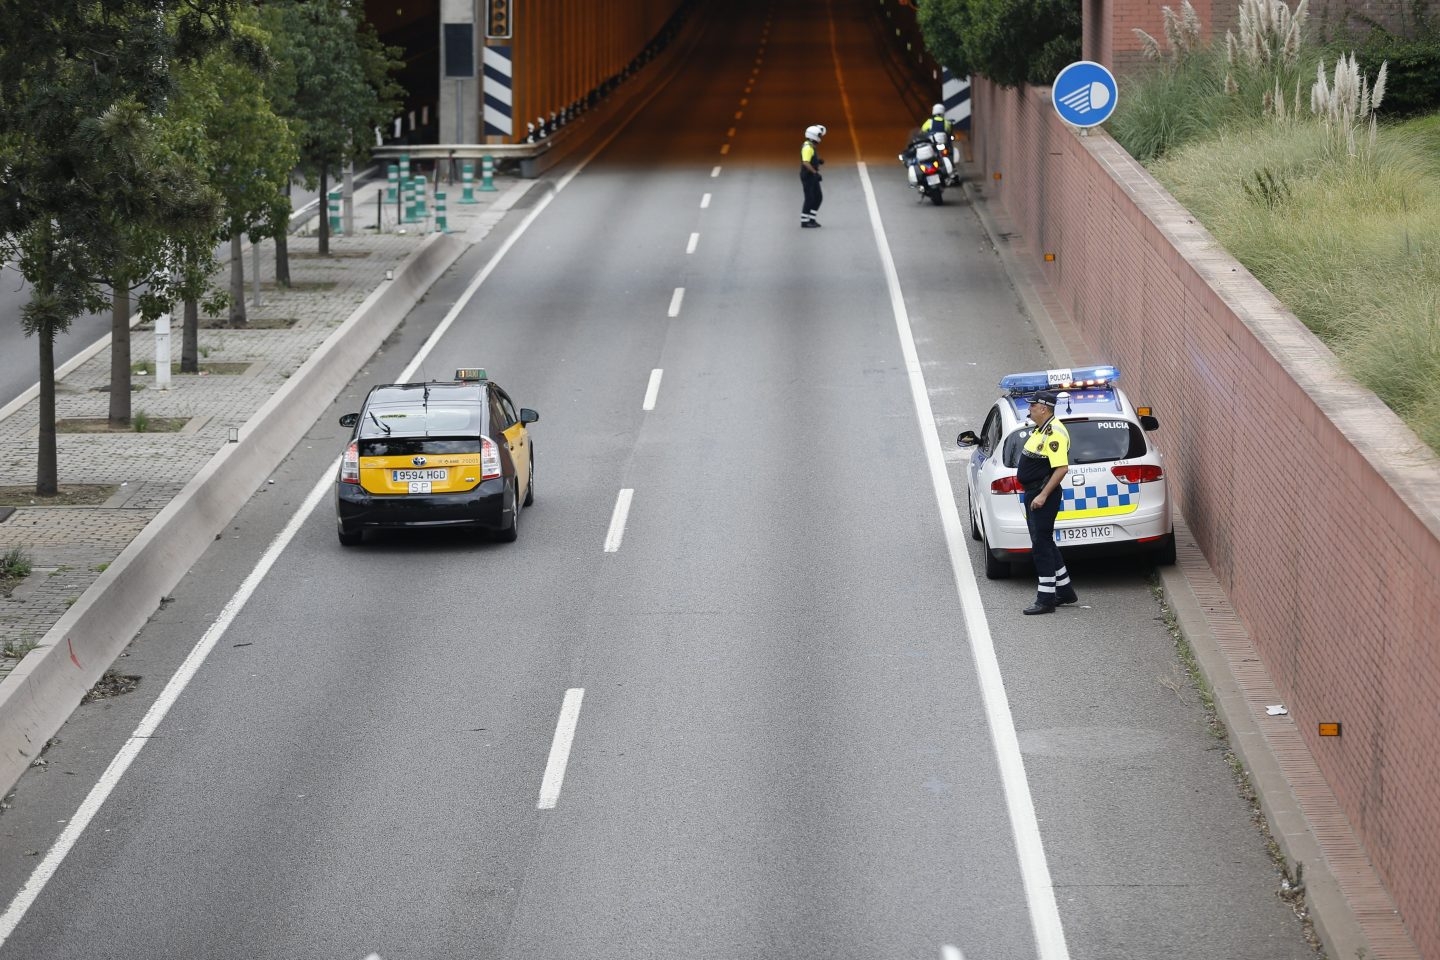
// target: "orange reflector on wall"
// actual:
[[1329, 729], [1049, 258], [997, 175]]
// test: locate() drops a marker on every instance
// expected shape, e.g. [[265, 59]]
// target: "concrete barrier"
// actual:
[[39, 695]]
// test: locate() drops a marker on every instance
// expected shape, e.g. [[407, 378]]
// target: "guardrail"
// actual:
[[528, 154]]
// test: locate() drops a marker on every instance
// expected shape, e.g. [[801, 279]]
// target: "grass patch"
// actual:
[[1350, 245], [332, 255], [254, 323], [302, 286], [14, 567], [147, 368], [140, 422], [69, 495], [16, 649]]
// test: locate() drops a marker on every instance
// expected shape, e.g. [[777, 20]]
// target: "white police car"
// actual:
[[1116, 499]]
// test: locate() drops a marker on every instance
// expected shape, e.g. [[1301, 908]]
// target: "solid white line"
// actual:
[[1030, 850], [653, 390], [715, 172], [560, 749], [132, 747], [948, 952], [705, 201], [724, 148], [616, 533], [694, 239], [675, 301]]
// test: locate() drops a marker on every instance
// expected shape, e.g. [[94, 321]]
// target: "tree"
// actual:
[[1010, 42], [333, 81], [81, 83]]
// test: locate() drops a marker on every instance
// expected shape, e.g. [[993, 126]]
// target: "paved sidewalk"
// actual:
[[70, 546]]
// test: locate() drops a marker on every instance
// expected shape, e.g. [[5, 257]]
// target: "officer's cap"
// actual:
[[1047, 397]]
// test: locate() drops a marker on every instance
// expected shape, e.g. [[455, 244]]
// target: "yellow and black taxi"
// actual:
[[436, 454], [1115, 497]]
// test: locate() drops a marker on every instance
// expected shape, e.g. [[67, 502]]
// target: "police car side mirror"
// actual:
[[967, 439], [528, 416], [1149, 423], [350, 419]]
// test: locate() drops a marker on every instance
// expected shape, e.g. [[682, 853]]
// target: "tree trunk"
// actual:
[[119, 352], [237, 278], [324, 214], [47, 473], [282, 245], [190, 339]]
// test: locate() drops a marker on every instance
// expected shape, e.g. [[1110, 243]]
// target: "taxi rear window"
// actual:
[[410, 446], [392, 421], [1091, 441]]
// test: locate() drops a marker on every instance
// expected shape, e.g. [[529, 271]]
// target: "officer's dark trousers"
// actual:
[[813, 196], [1054, 579]]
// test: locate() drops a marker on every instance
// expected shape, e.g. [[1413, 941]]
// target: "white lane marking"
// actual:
[[743, 103], [705, 201], [653, 389], [12, 916], [1030, 849], [730, 132], [98, 794], [715, 172], [675, 301], [560, 749], [694, 239], [724, 148], [949, 952], [616, 533], [739, 114]]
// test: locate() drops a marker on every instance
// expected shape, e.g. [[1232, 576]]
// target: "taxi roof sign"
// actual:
[[470, 373]]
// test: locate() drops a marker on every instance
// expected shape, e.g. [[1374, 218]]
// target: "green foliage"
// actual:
[[14, 564], [1352, 248], [1269, 189], [1011, 42], [1414, 82]]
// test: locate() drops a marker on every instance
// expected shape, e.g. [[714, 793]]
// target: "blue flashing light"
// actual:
[[1064, 378]]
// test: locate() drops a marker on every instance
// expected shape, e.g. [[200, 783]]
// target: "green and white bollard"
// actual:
[[422, 193], [440, 224], [332, 204], [467, 181], [404, 167], [392, 182], [487, 174], [408, 185]]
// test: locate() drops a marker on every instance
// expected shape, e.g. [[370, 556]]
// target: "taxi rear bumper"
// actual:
[[484, 506]]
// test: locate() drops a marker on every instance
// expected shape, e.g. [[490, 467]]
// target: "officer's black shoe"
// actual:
[[1067, 596], [1035, 608], [809, 224]]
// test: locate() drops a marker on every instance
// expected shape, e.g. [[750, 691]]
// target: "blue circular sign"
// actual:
[[1084, 94]]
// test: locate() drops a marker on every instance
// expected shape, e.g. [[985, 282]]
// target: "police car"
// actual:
[[436, 454], [1116, 499]]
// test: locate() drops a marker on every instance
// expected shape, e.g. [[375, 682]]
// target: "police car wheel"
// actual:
[[511, 533], [530, 485], [1165, 556], [349, 538], [996, 569], [974, 527]]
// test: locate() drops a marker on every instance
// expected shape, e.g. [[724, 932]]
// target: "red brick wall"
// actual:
[[1317, 508]]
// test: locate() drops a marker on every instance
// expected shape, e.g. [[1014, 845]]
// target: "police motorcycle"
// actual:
[[930, 164]]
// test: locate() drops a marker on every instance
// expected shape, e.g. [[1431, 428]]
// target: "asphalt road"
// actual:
[[785, 746]]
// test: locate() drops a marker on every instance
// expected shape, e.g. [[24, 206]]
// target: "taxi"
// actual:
[[1116, 499], [436, 454]]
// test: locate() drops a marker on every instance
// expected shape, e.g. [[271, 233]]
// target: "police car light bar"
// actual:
[[470, 373], [1063, 378]]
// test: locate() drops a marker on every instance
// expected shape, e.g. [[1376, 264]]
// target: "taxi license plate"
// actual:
[[401, 476], [1081, 534]]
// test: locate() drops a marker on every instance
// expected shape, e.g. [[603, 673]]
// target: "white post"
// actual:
[[255, 246], [162, 352], [348, 204]]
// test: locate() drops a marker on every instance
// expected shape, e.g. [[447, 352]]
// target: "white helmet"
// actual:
[[815, 132], [938, 109]]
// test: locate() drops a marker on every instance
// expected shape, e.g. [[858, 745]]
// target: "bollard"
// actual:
[[392, 182], [422, 193], [404, 167], [332, 203], [409, 188], [440, 224], [487, 174], [467, 179]]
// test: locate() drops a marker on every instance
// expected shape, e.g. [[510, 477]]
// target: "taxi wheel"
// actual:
[[512, 533], [974, 527], [530, 484], [349, 538]]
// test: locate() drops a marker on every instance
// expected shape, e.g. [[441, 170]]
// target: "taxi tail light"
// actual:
[[1007, 485], [1138, 473], [350, 464], [489, 459]]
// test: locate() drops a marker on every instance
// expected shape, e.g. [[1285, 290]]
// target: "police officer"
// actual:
[[810, 175], [938, 121], [1043, 464]]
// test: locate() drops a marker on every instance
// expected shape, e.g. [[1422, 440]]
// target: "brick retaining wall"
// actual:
[[1318, 509]]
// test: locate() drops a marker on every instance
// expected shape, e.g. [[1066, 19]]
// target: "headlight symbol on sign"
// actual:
[[1084, 94]]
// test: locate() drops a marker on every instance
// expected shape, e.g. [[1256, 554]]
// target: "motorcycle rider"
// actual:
[[936, 121], [810, 162]]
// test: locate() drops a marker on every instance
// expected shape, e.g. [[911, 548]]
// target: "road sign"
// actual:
[[1084, 94]]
